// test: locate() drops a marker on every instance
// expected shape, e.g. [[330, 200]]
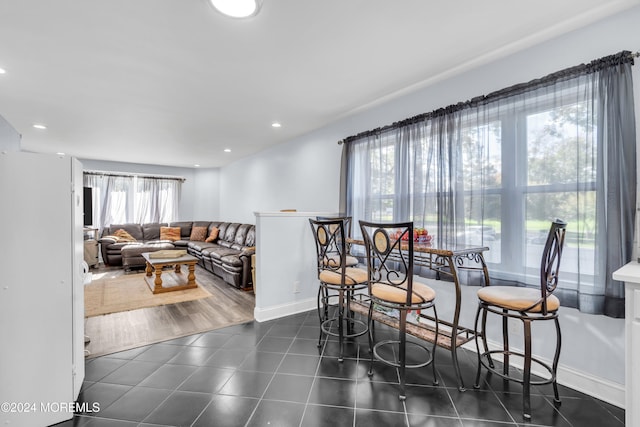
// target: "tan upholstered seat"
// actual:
[[353, 276], [398, 294], [334, 261], [516, 298]]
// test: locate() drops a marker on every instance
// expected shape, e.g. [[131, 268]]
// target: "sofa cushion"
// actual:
[[213, 235], [124, 236], [170, 233], [217, 252], [251, 236], [230, 233], [185, 228], [233, 260], [151, 231], [198, 234], [241, 234], [200, 246], [135, 230]]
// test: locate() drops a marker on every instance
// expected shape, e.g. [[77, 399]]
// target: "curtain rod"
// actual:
[[125, 174], [624, 56]]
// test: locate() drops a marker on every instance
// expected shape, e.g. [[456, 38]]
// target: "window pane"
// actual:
[[482, 156], [560, 146], [577, 209]]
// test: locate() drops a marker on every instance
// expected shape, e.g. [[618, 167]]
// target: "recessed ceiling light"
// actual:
[[237, 8], [276, 125], [39, 126], [3, 71], [60, 154], [196, 166], [227, 150]]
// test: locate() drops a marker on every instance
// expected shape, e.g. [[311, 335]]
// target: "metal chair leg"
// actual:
[[526, 380], [371, 340], [505, 343], [320, 315], [433, 351], [403, 353], [341, 324], [556, 358], [479, 334]]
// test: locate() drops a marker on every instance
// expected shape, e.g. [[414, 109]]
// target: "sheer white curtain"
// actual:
[[498, 169], [119, 199], [112, 198]]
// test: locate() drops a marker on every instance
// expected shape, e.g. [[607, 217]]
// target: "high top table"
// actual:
[[446, 260]]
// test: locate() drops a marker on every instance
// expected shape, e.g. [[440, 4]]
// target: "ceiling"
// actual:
[[173, 82]]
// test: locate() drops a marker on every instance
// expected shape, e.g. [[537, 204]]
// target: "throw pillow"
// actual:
[[123, 236], [170, 233], [198, 234], [213, 235]]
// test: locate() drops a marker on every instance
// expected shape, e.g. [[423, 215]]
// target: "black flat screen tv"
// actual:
[[88, 206]]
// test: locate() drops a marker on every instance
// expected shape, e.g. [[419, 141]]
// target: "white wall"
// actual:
[[206, 195], [303, 173], [9, 137]]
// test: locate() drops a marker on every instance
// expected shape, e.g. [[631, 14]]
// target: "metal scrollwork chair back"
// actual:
[[339, 281], [392, 287]]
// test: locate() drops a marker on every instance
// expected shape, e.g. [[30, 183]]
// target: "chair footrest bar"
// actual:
[[497, 370], [396, 363], [325, 326]]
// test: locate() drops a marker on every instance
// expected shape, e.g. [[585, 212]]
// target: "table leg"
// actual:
[[454, 326], [191, 278], [177, 268], [148, 269], [158, 281]]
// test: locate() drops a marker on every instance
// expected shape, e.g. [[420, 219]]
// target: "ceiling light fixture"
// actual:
[[276, 125], [39, 126], [237, 8], [196, 166], [3, 71], [227, 150]]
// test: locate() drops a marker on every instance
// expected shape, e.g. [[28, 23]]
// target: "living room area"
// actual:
[[284, 150]]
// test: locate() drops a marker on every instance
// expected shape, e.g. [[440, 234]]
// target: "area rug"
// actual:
[[131, 292]]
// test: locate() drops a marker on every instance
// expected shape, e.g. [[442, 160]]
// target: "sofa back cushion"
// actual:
[[222, 229], [185, 229], [230, 234], [241, 234], [135, 230], [151, 231], [250, 240]]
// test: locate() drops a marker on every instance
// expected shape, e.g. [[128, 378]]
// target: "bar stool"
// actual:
[[527, 305], [389, 249], [339, 281]]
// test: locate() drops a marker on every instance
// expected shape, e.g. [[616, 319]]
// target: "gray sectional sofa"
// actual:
[[227, 256]]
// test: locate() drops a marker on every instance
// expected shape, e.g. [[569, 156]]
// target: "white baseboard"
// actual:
[[282, 310], [583, 382]]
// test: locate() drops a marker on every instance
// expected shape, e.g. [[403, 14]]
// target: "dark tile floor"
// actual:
[[273, 374]]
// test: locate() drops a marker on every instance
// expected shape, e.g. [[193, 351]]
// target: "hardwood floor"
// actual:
[[122, 331]]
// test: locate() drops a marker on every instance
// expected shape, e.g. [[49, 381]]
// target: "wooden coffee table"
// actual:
[[174, 280]]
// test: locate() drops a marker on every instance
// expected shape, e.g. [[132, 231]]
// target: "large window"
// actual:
[[120, 199], [495, 171]]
